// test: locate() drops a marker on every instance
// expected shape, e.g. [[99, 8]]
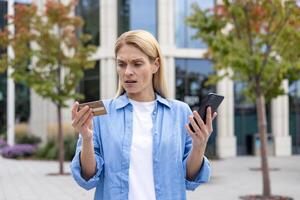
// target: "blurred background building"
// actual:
[[186, 72]]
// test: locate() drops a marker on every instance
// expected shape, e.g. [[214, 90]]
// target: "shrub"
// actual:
[[2, 143], [50, 150], [70, 147], [52, 130], [27, 139], [21, 129], [2, 132], [23, 136], [18, 150]]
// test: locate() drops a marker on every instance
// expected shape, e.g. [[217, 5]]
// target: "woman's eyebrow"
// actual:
[[133, 60], [137, 59], [119, 60]]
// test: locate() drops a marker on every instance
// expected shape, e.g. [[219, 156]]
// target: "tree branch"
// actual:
[[269, 45], [275, 74], [248, 27], [234, 19], [272, 41]]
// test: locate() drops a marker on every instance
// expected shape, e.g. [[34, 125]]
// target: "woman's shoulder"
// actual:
[[114, 103], [107, 102], [174, 103]]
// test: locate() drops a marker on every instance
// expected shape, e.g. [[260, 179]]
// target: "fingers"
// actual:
[[80, 114], [80, 117], [194, 135], [207, 127], [202, 131], [88, 123], [208, 118], [191, 133], [199, 120], [74, 109], [194, 124], [214, 116], [85, 117]]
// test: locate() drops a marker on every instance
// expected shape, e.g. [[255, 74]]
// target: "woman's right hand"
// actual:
[[82, 121]]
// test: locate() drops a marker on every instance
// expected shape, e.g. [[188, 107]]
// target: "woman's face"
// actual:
[[135, 72]]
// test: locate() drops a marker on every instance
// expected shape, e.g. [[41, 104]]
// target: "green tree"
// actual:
[[256, 42], [49, 57]]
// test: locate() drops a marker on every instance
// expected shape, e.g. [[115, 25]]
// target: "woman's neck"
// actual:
[[142, 97]]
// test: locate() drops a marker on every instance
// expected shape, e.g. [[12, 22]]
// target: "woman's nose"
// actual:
[[129, 70]]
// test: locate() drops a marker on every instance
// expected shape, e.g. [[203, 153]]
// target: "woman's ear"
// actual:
[[156, 65]]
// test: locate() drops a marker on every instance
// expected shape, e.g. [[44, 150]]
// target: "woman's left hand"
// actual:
[[202, 131]]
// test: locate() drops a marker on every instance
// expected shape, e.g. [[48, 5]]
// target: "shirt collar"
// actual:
[[162, 100], [123, 101]]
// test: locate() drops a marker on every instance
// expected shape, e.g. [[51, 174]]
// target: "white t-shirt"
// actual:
[[141, 182]]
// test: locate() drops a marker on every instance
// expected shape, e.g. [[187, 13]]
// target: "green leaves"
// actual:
[[49, 57], [258, 40]]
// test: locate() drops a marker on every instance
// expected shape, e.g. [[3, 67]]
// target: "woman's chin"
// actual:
[[131, 91]]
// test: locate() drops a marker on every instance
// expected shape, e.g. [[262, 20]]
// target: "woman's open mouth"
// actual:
[[129, 83]]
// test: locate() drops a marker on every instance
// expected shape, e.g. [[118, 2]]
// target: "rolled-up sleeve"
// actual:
[[203, 175], [76, 166]]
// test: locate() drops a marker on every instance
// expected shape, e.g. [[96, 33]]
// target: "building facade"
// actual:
[[186, 72]]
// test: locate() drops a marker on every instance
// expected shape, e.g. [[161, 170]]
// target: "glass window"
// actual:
[[294, 119], [245, 120], [22, 92], [132, 15], [3, 12], [23, 1], [3, 113], [22, 103], [185, 33], [90, 85], [89, 10], [191, 75]]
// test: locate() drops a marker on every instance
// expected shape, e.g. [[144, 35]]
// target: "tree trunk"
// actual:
[[262, 122], [59, 117], [60, 141]]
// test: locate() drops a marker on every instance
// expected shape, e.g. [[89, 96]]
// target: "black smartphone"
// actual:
[[213, 100]]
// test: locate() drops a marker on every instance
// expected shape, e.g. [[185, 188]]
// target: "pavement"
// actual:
[[231, 178]]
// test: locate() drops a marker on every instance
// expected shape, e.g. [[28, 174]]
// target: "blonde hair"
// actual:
[[145, 42]]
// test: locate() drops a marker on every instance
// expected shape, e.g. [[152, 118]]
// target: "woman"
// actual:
[[143, 148]]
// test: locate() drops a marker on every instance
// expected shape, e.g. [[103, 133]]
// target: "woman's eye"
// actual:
[[121, 64], [138, 64]]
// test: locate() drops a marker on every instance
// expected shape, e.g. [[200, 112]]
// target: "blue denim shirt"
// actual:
[[112, 140]]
